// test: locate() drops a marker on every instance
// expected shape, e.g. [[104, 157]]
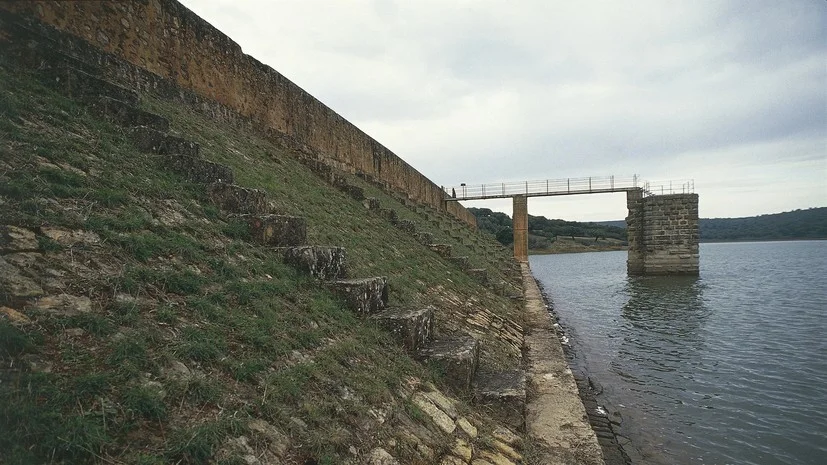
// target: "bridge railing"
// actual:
[[544, 187], [668, 187]]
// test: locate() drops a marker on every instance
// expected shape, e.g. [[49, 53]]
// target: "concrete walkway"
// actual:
[[554, 413]]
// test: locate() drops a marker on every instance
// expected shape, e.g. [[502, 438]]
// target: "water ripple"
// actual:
[[728, 367]]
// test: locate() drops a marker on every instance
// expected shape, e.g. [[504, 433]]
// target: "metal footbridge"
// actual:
[[568, 186]]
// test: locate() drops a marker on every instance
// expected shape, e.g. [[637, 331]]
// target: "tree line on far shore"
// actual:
[[810, 223]]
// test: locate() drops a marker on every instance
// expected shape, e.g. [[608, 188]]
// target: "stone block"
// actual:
[[325, 263], [457, 358], [199, 170], [86, 87], [126, 115], [461, 262], [237, 199], [14, 239], [411, 327], [366, 295], [275, 230], [372, 203], [343, 185], [15, 287], [389, 214], [443, 250], [154, 141], [355, 192], [407, 226], [505, 393], [480, 274], [425, 238]]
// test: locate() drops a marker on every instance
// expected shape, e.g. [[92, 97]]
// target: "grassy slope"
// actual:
[[170, 282]]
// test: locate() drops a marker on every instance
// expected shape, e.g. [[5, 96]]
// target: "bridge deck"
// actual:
[[569, 186]]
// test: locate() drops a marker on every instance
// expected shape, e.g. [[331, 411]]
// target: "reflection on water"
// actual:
[[729, 367]]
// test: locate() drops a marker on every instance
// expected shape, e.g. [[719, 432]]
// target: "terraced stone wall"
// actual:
[[166, 38]]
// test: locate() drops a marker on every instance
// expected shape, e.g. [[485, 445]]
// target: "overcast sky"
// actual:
[[732, 94]]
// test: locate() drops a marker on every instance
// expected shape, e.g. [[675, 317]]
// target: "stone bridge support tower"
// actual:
[[519, 223], [663, 234]]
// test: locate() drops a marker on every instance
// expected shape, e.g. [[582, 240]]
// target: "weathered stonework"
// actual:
[[406, 225], [425, 238], [199, 170], [505, 394], [367, 295], [154, 141], [84, 86], [456, 358], [323, 263], [237, 199], [411, 327], [461, 262], [390, 215], [480, 274], [123, 114], [171, 42], [663, 234], [372, 203], [276, 230], [443, 250]]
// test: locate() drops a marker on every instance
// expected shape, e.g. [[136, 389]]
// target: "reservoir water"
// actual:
[[726, 368]]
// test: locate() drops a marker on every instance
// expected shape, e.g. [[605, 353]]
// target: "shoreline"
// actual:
[[554, 412], [605, 423]]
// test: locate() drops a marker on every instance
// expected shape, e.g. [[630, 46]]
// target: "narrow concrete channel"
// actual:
[[554, 412]]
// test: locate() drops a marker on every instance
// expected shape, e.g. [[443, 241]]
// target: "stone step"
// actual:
[[461, 262], [480, 274], [504, 393], [407, 226], [355, 192], [425, 238], [325, 263], [365, 295], [153, 141], [389, 214], [457, 358], [84, 86], [372, 203], [124, 114], [411, 327], [198, 169], [237, 199], [275, 230], [444, 250]]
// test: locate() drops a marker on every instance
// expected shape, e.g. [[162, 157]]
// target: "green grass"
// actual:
[[262, 340]]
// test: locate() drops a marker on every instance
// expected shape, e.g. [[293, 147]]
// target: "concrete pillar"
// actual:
[[634, 233], [520, 227]]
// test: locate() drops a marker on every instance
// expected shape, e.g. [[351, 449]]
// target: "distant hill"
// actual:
[[543, 232], [798, 224]]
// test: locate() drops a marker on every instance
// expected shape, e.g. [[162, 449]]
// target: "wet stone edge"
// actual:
[[604, 428]]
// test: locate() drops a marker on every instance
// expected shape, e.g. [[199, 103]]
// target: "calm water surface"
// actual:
[[726, 368]]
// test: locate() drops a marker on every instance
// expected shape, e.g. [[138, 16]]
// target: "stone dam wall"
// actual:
[[168, 40]]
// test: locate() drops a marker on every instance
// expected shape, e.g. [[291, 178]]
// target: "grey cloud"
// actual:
[[488, 90]]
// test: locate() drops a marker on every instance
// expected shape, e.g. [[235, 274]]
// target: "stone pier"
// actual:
[[663, 234], [520, 227]]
